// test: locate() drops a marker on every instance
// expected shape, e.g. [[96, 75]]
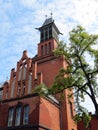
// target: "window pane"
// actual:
[[10, 117], [50, 32], [18, 116], [26, 115], [1, 94]]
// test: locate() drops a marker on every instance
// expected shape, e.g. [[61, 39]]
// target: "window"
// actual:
[[26, 115], [10, 117], [42, 50], [46, 33], [49, 47], [18, 116], [42, 36], [1, 94], [50, 32], [55, 35]]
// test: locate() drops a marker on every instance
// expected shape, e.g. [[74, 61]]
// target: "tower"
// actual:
[[48, 37], [49, 65]]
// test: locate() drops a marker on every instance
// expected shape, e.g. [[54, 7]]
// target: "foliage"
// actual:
[[80, 74], [41, 90], [85, 117]]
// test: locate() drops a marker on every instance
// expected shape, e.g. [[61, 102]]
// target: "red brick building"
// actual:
[[23, 110]]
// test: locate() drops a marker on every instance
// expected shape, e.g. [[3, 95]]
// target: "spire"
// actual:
[[49, 30], [47, 21]]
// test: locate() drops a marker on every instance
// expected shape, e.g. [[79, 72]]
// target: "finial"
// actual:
[[46, 16], [51, 14]]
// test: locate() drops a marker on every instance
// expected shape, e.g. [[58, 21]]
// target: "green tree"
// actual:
[[82, 75]]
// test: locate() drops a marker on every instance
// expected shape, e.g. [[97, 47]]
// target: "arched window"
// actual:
[[42, 50], [26, 115], [18, 116], [10, 117]]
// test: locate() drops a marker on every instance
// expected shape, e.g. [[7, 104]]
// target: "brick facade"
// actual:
[[44, 113]]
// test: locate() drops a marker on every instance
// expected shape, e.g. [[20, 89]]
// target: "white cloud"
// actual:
[[21, 17], [28, 3]]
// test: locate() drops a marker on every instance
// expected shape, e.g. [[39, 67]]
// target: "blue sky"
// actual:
[[19, 18]]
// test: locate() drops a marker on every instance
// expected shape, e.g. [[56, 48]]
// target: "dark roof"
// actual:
[[48, 21]]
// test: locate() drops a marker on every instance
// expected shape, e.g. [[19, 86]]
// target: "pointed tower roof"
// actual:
[[49, 21]]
